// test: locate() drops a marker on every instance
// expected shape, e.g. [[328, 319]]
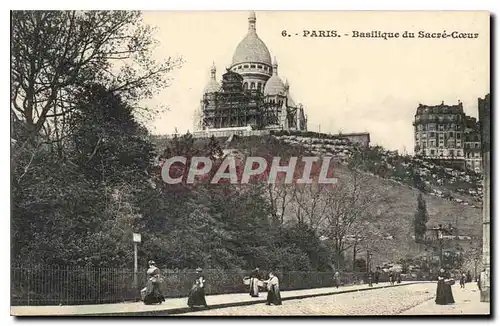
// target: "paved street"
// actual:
[[173, 305], [466, 303], [407, 299], [414, 299]]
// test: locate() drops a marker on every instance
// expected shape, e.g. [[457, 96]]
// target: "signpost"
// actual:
[[136, 237]]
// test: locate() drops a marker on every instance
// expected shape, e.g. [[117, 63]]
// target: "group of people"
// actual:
[[374, 277], [272, 285], [152, 294]]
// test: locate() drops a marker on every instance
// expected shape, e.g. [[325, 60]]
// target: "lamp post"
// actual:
[[136, 238], [439, 236], [368, 260]]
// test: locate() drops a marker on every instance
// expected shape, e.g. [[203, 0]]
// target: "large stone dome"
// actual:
[[251, 48], [275, 85], [212, 86]]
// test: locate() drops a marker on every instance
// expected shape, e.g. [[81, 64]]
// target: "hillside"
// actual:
[[453, 197]]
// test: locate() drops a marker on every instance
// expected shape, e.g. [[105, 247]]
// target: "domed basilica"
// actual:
[[251, 93]]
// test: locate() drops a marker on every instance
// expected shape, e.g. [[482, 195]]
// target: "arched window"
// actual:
[[252, 85], [259, 86], [245, 86]]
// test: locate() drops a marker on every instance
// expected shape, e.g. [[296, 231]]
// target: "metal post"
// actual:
[[136, 238], [135, 264], [441, 253], [475, 268], [368, 261]]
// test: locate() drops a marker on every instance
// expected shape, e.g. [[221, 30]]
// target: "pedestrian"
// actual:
[[391, 277], [273, 290], [463, 278], [151, 294], [444, 295], [254, 283], [336, 279], [377, 275], [482, 276], [398, 278], [469, 277], [197, 292]]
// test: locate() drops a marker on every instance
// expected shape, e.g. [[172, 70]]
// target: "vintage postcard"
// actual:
[[250, 163]]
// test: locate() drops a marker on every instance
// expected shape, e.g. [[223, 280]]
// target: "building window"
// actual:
[[260, 67], [245, 86], [252, 66], [432, 134], [259, 86], [458, 135], [239, 67], [245, 66], [432, 152], [451, 133], [252, 85]]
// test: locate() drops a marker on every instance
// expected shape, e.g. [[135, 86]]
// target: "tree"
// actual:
[[420, 220], [360, 265], [417, 181], [85, 206], [56, 53], [352, 207]]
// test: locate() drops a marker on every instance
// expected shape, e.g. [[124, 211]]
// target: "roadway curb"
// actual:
[[178, 311]]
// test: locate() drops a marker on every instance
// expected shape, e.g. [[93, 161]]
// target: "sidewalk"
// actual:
[[179, 305], [466, 303]]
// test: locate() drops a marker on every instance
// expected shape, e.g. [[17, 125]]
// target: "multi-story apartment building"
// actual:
[[472, 144], [445, 132]]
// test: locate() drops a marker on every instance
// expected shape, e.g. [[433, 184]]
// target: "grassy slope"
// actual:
[[399, 206]]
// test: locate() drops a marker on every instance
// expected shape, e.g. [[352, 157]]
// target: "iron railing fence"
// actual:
[[53, 285]]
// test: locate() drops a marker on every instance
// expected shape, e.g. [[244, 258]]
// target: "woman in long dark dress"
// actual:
[[153, 293], [254, 283], [273, 290], [444, 294], [197, 292]]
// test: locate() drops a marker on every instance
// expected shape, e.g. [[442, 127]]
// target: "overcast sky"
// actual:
[[345, 84]]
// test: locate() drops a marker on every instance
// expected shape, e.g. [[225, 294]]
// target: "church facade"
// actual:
[[251, 95]]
